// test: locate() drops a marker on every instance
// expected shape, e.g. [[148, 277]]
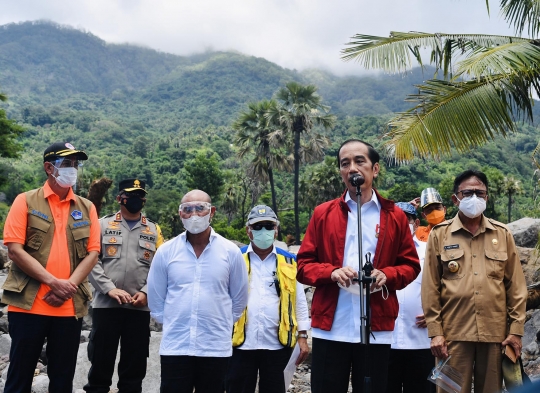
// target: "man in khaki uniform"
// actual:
[[121, 314], [473, 288]]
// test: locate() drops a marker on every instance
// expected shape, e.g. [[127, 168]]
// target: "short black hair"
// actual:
[[372, 153], [467, 175]]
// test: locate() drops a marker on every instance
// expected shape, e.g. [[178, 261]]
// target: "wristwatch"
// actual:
[[302, 335]]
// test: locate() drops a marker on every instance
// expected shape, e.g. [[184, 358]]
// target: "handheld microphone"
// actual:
[[356, 179]]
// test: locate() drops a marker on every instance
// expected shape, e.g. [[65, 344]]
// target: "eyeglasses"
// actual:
[[258, 226], [470, 193], [195, 207], [66, 163]]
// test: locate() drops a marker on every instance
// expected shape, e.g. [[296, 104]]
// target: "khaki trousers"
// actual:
[[482, 359]]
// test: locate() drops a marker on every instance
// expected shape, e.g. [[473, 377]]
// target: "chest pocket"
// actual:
[[111, 247], [146, 251], [80, 236], [449, 260], [495, 262], [36, 231]]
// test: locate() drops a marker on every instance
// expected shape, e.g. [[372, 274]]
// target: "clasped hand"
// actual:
[[345, 275], [61, 290]]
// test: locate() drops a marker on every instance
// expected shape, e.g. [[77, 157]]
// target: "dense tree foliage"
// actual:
[[168, 120]]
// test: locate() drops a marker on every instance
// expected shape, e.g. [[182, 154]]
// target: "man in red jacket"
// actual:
[[329, 256]]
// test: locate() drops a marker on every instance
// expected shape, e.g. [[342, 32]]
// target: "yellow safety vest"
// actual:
[[286, 275]]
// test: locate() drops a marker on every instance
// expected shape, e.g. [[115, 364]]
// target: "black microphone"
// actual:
[[356, 179]]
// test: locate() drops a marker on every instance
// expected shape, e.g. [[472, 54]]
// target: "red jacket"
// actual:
[[322, 252]]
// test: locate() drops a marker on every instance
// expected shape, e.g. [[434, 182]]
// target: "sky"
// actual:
[[296, 34]]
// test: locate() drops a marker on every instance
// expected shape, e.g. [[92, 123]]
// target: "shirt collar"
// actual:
[[484, 224], [374, 200], [250, 249], [48, 191]]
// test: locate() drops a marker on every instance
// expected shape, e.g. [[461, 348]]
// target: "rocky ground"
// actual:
[[526, 235]]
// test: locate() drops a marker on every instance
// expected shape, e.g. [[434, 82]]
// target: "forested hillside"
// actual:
[[162, 117]]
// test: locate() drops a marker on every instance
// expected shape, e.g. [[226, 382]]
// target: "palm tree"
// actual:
[[479, 97], [257, 134], [511, 186], [299, 109]]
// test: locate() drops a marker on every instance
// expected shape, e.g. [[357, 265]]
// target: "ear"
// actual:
[[416, 223], [454, 200], [376, 169], [250, 235], [212, 212]]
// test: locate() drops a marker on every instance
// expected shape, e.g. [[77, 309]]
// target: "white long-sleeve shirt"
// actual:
[[263, 305], [346, 325], [197, 299], [407, 335]]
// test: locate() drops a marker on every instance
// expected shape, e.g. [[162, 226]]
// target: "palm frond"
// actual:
[[448, 114], [394, 53], [511, 59], [3, 97], [523, 14]]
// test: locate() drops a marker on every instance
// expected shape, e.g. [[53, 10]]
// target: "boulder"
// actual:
[[40, 384], [3, 257], [525, 231], [294, 249], [5, 344]]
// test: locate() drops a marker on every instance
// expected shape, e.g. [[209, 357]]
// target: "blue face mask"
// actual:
[[263, 238]]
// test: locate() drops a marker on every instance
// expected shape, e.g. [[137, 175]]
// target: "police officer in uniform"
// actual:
[[120, 309]]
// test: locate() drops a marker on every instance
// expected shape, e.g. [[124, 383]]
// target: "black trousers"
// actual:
[[28, 333], [408, 371], [244, 366], [331, 364], [180, 374], [111, 326]]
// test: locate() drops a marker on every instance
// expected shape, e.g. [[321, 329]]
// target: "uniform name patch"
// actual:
[[451, 247], [39, 214], [112, 232], [149, 238], [81, 224]]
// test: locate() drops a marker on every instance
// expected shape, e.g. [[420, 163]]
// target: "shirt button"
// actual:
[[474, 255], [476, 273], [476, 292], [478, 312]]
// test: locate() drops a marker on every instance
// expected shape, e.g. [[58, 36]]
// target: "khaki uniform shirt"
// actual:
[[473, 287], [125, 258]]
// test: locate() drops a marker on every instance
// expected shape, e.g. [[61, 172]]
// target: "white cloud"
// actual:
[[293, 33]]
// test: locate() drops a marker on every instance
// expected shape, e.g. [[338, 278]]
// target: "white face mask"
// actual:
[[67, 177], [196, 224], [472, 206], [411, 226]]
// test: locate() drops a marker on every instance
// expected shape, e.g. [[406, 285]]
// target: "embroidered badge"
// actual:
[[113, 240], [453, 266], [495, 242], [39, 214], [80, 224], [147, 231], [118, 217], [114, 225], [377, 229], [143, 220], [146, 255], [451, 247], [111, 250], [76, 214], [147, 245]]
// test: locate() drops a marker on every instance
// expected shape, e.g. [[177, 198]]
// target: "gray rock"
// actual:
[[294, 249], [5, 344], [85, 334], [532, 326], [280, 244], [4, 324], [4, 372], [3, 257], [531, 349], [40, 384], [152, 380], [525, 231]]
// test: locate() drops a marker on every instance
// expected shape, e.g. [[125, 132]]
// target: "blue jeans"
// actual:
[[28, 333]]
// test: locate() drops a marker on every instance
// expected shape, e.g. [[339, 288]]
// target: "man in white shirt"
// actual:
[[410, 355], [198, 288], [276, 315]]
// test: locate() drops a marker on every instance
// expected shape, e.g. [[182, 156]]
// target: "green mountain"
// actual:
[[140, 112]]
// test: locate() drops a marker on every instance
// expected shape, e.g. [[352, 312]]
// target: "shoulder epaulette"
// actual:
[[152, 221], [499, 224], [107, 216]]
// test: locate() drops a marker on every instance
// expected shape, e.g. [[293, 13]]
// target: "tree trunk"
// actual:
[[273, 192], [509, 206], [297, 129]]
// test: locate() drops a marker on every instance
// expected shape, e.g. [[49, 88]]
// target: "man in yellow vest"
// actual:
[[52, 237], [276, 316]]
